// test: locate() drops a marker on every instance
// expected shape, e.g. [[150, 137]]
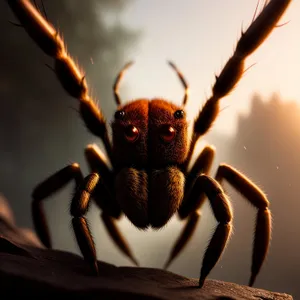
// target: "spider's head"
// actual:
[[149, 134]]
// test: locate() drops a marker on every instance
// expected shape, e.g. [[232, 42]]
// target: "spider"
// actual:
[[146, 174]]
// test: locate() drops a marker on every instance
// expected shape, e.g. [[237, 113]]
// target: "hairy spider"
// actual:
[[147, 174]]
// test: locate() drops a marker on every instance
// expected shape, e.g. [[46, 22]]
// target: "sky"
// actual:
[[199, 36]]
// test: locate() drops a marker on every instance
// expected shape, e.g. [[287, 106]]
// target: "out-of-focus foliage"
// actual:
[[40, 129]]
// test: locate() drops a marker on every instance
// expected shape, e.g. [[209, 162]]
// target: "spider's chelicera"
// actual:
[[147, 174]]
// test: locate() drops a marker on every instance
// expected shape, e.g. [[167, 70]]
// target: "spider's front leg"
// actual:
[[190, 207], [250, 40], [79, 207], [263, 220], [44, 190], [67, 71], [106, 201]]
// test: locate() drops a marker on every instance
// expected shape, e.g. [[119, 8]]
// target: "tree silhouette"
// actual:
[[266, 148], [40, 129]]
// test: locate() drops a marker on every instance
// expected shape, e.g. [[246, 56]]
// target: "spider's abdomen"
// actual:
[[149, 198]]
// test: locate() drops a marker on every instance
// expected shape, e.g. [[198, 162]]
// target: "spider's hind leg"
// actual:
[[44, 190], [222, 211], [105, 199], [263, 220]]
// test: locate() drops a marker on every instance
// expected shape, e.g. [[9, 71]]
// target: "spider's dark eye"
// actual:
[[131, 133], [119, 114], [179, 114], [167, 133]]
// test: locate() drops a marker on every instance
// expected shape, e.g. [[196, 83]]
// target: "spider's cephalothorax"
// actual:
[[147, 175], [150, 134]]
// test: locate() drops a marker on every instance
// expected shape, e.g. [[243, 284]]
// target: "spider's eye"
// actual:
[[179, 114], [167, 133], [119, 114], [131, 133]]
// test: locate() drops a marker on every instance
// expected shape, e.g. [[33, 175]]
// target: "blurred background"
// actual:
[[258, 130]]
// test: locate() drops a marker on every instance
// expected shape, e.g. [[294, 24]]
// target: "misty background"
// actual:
[[258, 130]]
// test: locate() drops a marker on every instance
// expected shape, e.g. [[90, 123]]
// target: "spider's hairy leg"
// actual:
[[44, 190], [233, 70], [192, 202], [104, 198], [68, 73], [98, 163], [222, 211], [79, 207], [263, 220], [202, 165]]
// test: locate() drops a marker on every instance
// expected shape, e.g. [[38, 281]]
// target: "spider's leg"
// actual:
[[233, 70], [202, 165], [105, 199], [263, 220], [191, 205], [98, 163], [44, 190], [69, 74], [79, 207], [222, 211]]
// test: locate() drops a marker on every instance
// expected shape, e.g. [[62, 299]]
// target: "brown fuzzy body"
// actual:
[[149, 198], [149, 184]]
